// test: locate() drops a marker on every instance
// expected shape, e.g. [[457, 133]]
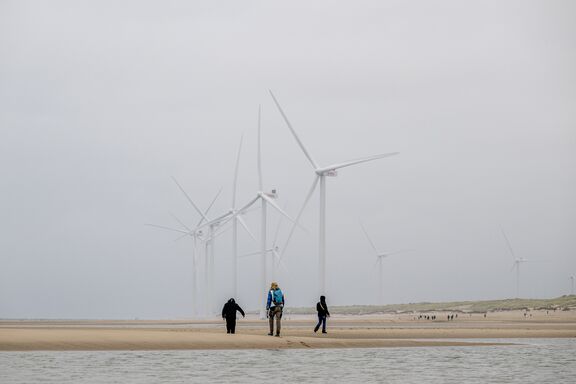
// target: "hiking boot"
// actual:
[[324, 332], [270, 334], [277, 335]]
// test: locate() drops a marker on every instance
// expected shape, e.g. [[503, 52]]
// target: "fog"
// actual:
[[102, 102]]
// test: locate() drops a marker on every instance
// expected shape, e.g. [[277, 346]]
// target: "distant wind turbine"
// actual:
[[379, 257], [321, 173], [274, 254], [516, 263], [572, 284], [196, 234]]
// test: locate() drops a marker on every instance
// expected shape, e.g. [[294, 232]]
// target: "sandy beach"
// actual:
[[344, 332]]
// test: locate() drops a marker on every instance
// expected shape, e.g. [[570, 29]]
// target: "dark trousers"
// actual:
[[275, 313], [321, 321], [230, 325]]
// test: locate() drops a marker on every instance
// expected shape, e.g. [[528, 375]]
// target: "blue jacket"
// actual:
[[270, 303]]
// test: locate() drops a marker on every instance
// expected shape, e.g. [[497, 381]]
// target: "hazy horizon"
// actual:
[[101, 103]]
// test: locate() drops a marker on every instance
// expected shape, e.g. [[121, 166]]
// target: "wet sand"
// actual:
[[343, 332]]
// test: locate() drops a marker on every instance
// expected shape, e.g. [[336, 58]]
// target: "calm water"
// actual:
[[533, 361]]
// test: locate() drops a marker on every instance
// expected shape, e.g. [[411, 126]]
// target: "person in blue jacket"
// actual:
[[274, 306]]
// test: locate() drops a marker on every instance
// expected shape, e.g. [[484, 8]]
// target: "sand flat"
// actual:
[[160, 339], [344, 332]]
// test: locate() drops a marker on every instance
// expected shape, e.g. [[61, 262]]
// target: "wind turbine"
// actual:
[[273, 252], [516, 263], [379, 257], [196, 234], [266, 198], [572, 284], [321, 173]]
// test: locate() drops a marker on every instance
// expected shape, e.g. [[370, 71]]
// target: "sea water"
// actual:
[[528, 361]]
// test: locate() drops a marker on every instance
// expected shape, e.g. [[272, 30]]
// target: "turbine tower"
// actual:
[[572, 284], [321, 173], [235, 220], [379, 257]]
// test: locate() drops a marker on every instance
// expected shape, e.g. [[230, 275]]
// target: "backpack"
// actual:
[[277, 297]]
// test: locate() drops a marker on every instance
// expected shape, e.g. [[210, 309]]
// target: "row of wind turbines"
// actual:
[[208, 229]]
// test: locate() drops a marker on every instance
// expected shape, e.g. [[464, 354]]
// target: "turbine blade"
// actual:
[[210, 206], [509, 245], [236, 173], [275, 242], [180, 221], [314, 184], [218, 233], [356, 161], [245, 207], [369, 239], [276, 207], [293, 132], [227, 217], [243, 224], [254, 253], [260, 182], [189, 199], [168, 228], [180, 237]]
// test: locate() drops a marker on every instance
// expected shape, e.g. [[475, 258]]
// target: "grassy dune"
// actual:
[[559, 303]]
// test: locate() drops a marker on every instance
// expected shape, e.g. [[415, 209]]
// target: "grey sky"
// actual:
[[102, 101]]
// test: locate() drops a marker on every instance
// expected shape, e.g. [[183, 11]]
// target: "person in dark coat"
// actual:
[[229, 313], [322, 310]]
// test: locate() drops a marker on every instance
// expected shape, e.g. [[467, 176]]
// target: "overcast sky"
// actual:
[[101, 102]]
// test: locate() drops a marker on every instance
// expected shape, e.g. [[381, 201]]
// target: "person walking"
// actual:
[[322, 310], [229, 313], [274, 306]]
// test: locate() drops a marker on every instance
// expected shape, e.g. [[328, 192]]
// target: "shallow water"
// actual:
[[531, 361]]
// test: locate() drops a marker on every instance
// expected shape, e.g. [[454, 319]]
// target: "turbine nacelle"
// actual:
[[273, 194], [329, 172]]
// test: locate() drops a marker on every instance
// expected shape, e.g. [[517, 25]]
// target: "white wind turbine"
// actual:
[[379, 257], [321, 173], [209, 248], [572, 284], [266, 198], [273, 254], [196, 234], [516, 263]]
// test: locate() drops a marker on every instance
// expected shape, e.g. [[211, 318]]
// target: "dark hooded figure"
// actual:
[[229, 313], [322, 309]]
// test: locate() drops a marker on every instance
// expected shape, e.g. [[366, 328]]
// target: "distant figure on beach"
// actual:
[[274, 307], [322, 309], [229, 314]]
